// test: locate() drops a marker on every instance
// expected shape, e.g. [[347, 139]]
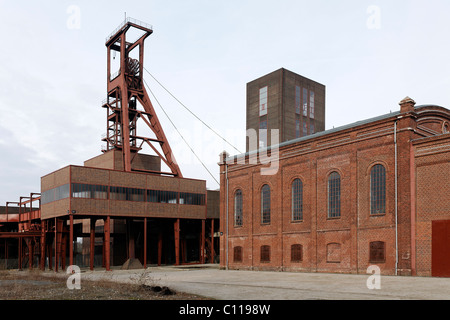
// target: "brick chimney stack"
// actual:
[[407, 105]]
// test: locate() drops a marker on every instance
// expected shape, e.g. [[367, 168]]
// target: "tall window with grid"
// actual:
[[378, 189], [265, 204], [298, 102], [238, 208], [334, 195], [263, 131], [305, 102], [311, 104], [297, 200]]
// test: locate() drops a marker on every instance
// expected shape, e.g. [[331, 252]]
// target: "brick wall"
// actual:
[[342, 244], [432, 165]]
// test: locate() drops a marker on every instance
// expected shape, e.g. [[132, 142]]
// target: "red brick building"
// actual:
[[375, 192]]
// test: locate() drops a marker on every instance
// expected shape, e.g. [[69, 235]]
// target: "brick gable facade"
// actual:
[[411, 142]]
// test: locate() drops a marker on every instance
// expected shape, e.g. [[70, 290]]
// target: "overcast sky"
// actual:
[[368, 54]]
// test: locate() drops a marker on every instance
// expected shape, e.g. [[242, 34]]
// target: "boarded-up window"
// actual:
[[265, 254], [296, 253], [333, 252], [377, 252], [237, 257]]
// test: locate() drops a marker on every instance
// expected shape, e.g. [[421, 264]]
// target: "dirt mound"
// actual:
[[132, 264]]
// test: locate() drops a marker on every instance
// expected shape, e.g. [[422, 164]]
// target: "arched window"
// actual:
[[378, 189], [265, 254], [265, 204], [297, 200], [334, 195], [238, 208], [237, 257], [296, 253]]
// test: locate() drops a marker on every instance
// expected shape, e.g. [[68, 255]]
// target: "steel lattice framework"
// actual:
[[126, 92]]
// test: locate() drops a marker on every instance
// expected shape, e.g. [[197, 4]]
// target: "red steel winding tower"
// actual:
[[127, 100]]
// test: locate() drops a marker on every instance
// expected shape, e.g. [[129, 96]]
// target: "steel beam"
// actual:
[[107, 230], [145, 243], [71, 240], [92, 243], [42, 244], [177, 241], [202, 246]]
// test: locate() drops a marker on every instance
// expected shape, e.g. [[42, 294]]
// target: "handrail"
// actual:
[[125, 22]]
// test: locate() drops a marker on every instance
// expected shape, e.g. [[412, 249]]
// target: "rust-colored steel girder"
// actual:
[[125, 92]]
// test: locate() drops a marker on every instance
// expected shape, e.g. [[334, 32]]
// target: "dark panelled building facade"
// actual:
[[286, 101], [375, 192]]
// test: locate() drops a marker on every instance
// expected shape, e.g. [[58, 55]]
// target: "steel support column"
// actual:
[[145, 243], [202, 245], [71, 241], [92, 244], [177, 241], [50, 254], [212, 241], [58, 241], [30, 244], [107, 230], [63, 249], [42, 244]]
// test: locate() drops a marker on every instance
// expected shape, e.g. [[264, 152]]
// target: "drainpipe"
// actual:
[[396, 199], [226, 214]]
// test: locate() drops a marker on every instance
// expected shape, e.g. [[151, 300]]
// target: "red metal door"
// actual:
[[440, 252]]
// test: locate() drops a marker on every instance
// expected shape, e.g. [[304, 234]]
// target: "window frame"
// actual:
[[263, 97], [312, 97], [264, 254], [238, 204], [378, 200], [374, 252], [334, 195], [237, 254], [299, 202], [265, 194], [296, 252]]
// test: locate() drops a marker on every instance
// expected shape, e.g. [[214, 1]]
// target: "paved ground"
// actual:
[[208, 280]]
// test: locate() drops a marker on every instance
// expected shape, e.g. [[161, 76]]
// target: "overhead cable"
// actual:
[[205, 124], [182, 137]]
